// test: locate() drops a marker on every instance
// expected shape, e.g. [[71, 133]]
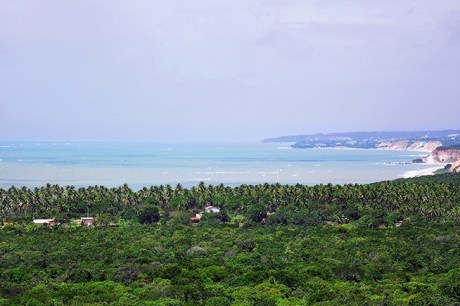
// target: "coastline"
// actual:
[[408, 174], [422, 172], [370, 149]]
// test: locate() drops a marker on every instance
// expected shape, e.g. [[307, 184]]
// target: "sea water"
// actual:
[[140, 164]]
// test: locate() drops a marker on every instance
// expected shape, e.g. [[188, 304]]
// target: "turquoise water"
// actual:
[[139, 164]]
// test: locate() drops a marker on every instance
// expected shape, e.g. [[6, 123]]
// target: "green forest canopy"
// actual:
[[319, 245]]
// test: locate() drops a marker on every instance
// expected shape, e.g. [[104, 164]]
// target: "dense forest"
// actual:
[[388, 243]]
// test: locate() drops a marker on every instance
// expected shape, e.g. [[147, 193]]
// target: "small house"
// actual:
[[87, 221], [48, 222], [196, 218], [212, 209], [398, 223]]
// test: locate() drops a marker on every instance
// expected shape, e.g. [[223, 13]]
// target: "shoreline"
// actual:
[[422, 172], [370, 149]]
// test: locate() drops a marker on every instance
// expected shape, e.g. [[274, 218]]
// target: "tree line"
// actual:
[[429, 198]]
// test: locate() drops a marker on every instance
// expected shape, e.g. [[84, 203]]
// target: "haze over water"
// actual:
[[141, 164], [229, 70]]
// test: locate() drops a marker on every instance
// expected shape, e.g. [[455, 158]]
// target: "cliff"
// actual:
[[455, 167], [444, 136], [424, 146], [442, 155], [425, 141]]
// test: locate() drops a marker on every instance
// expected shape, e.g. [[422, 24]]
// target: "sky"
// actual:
[[226, 70]]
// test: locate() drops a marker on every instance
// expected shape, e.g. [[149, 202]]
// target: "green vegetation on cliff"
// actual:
[[367, 140]]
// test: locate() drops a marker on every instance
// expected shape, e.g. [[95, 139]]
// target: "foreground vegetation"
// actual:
[[269, 245], [416, 264]]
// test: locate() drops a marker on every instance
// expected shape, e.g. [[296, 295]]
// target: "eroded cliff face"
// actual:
[[455, 167], [441, 155], [424, 146]]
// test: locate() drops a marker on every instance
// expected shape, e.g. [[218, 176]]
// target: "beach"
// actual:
[[423, 172]]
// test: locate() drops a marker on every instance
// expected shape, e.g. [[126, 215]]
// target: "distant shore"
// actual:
[[369, 149]]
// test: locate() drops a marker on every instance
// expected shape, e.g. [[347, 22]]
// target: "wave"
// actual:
[[270, 172], [421, 172]]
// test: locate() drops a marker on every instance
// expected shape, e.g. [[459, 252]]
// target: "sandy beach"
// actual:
[[422, 172]]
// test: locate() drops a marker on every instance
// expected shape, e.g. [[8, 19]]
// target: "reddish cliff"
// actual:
[[441, 155], [455, 166]]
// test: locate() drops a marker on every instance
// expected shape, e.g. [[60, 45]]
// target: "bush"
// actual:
[[257, 213], [246, 245], [149, 214], [180, 218], [218, 301], [290, 216], [451, 284]]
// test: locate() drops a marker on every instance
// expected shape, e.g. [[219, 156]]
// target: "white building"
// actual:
[[50, 222], [212, 209], [88, 221]]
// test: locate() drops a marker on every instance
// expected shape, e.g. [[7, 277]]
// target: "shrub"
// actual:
[[149, 214]]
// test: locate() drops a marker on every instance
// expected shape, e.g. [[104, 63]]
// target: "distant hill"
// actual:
[[417, 140]]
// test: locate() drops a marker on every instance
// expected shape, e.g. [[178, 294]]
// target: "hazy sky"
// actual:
[[212, 70]]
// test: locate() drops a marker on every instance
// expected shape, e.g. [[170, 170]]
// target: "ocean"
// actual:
[[139, 164]]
